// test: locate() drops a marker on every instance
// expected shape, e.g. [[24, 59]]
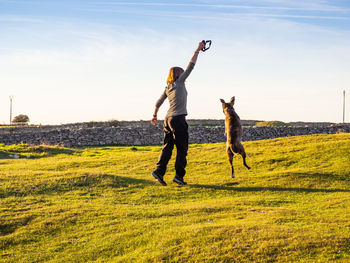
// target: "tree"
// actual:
[[21, 119]]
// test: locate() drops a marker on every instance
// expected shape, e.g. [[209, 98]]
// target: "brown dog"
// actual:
[[233, 132]]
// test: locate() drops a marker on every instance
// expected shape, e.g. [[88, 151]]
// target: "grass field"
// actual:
[[101, 204]]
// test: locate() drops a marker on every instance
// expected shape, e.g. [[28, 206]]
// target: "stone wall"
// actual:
[[138, 134]]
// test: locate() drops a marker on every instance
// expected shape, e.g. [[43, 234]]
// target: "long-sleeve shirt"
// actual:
[[177, 94]]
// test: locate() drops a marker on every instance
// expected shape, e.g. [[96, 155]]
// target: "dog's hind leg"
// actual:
[[240, 149], [230, 159]]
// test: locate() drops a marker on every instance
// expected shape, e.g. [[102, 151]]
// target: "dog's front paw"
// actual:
[[233, 175]]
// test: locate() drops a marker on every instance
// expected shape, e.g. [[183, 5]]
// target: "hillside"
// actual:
[[101, 204]]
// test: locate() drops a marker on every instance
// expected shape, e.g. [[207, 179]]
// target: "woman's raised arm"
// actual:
[[195, 55], [193, 61]]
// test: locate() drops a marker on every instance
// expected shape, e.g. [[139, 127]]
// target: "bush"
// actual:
[[21, 119]]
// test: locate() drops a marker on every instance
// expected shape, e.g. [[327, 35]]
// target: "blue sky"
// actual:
[[71, 61]]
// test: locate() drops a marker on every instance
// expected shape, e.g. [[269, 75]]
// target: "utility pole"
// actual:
[[344, 106], [11, 97]]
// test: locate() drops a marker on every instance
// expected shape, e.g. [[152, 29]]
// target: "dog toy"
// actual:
[[207, 44]]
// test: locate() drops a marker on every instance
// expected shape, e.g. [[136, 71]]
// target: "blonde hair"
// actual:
[[174, 74]]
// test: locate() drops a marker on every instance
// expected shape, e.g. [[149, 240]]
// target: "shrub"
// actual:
[[21, 119]]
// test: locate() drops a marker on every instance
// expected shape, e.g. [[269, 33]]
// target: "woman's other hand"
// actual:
[[154, 120]]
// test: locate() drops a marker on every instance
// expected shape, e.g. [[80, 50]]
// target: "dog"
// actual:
[[233, 133]]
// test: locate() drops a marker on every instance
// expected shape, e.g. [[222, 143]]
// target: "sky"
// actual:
[[67, 61]]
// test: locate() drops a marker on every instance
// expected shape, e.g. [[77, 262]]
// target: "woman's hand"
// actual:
[[154, 120], [201, 45]]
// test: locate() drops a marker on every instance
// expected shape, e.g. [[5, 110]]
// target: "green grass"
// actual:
[[101, 204], [272, 124]]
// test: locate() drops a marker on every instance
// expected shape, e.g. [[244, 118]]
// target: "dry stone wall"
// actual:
[[75, 136]]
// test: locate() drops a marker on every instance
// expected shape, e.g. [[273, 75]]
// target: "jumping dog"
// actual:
[[233, 133]]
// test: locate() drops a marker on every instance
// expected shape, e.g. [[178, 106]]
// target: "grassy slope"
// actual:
[[82, 205]]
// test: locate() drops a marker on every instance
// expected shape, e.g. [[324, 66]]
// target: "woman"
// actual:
[[175, 125]]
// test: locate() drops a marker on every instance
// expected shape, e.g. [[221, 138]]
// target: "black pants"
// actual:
[[175, 133]]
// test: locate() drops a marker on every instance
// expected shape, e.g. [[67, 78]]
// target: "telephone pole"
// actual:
[[11, 97], [344, 106]]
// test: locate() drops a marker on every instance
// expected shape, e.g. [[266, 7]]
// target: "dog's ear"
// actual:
[[232, 101], [223, 103]]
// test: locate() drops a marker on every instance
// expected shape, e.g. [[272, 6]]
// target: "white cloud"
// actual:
[[18, 19], [283, 5]]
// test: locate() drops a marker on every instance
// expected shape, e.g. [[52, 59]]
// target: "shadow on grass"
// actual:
[[27, 151], [321, 176], [93, 183], [272, 189], [13, 224], [314, 177]]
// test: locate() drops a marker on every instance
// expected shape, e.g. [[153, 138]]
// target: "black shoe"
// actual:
[[179, 181], [159, 178]]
